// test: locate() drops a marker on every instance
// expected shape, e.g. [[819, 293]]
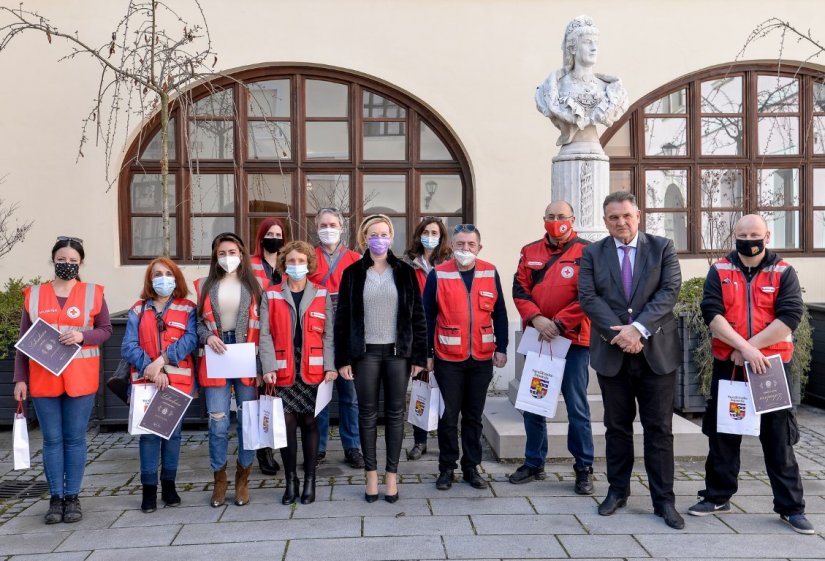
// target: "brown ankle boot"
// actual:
[[219, 493], [242, 484]]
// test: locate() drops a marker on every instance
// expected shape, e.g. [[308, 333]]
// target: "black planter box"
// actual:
[[688, 397], [815, 390]]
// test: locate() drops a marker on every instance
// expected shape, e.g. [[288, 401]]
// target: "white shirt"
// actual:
[[229, 300], [620, 252]]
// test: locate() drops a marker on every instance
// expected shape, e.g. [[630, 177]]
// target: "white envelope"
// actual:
[[324, 396], [558, 347], [238, 361]]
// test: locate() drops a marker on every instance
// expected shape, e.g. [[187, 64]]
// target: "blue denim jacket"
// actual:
[[132, 352]]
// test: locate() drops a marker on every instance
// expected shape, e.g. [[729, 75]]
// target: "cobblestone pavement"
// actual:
[[539, 520]]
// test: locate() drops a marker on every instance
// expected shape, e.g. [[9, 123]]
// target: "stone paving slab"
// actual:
[[735, 546], [764, 505], [25, 543], [626, 523], [226, 532], [337, 509], [65, 556], [518, 546], [509, 505], [92, 520], [121, 538], [256, 511], [762, 524], [564, 505], [239, 551], [410, 491], [367, 549], [593, 546], [492, 524], [170, 515], [418, 526]]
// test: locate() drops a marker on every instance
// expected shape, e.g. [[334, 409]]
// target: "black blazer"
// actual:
[[657, 279], [411, 327]]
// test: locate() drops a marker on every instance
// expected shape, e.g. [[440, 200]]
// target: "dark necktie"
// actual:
[[627, 272]]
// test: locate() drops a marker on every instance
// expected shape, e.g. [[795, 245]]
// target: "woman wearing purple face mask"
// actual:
[[380, 340]]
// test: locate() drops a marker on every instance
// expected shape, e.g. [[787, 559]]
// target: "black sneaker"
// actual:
[[525, 474], [55, 513], [798, 522], [353, 458], [474, 479], [706, 508], [445, 480], [72, 512], [584, 481], [416, 452]]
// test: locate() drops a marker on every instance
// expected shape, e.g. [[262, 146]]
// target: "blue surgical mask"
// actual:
[[164, 286], [430, 242], [297, 272]]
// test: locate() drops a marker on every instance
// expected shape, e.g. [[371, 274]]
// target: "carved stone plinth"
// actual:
[[583, 180]]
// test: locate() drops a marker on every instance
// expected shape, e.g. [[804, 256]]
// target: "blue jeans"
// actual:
[[154, 449], [579, 433], [348, 417], [63, 421]]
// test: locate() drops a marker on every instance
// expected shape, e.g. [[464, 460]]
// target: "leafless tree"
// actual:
[[11, 233]]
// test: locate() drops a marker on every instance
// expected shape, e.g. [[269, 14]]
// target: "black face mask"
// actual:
[[66, 271], [750, 248], [272, 245]]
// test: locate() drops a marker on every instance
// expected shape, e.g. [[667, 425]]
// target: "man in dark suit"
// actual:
[[628, 286]]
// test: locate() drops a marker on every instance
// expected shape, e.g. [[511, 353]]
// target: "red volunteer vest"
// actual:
[[334, 281], [464, 326], [253, 335], [280, 326], [258, 269], [82, 375], [749, 308], [175, 318]]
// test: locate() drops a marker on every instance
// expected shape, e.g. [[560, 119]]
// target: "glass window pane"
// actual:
[[147, 193], [784, 228], [619, 145], [666, 188], [270, 140], [778, 187], [819, 187], [819, 135], [211, 140], [399, 241], [270, 192], [777, 94], [671, 225], [325, 191], [326, 99], [621, 180], [213, 193], [666, 137], [385, 140], [722, 95], [204, 230], [381, 107], [778, 136], [385, 194], [432, 148], [671, 103], [269, 98], [721, 136], [152, 150], [147, 236], [819, 96], [451, 222], [217, 104], [440, 193], [722, 188], [717, 229], [327, 140], [819, 229]]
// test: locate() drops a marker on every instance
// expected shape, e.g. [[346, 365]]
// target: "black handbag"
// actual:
[[118, 382]]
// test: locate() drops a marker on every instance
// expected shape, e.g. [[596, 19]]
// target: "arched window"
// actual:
[[738, 138], [287, 141]]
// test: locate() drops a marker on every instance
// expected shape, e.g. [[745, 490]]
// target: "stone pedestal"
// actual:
[[583, 180]]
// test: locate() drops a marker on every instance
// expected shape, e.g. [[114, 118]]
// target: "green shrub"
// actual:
[[11, 308]]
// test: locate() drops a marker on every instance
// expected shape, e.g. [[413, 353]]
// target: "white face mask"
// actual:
[[229, 263], [464, 258], [329, 236]]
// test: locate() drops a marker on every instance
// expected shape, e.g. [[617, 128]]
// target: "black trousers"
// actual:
[[380, 367], [778, 432], [636, 382], [463, 388], [309, 442]]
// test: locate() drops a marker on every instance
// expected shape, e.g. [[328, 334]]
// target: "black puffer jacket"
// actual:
[[411, 328]]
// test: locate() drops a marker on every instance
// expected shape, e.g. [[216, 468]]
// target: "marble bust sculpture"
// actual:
[[575, 98]]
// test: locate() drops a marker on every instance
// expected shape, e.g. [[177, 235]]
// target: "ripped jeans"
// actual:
[[217, 404]]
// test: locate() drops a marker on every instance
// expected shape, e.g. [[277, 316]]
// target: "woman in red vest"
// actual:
[[228, 301], [429, 247], [161, 335], [296, 356], [64, 403]]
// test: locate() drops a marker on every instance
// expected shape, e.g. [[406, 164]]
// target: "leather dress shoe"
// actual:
[[611, 504], [672, 518], [474, 479], [445, 480]]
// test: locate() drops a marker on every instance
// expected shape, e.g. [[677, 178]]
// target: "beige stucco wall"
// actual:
[[475, 63]]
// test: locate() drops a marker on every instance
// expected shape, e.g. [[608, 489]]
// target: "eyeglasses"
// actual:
[[552, 217], [69, 239], [465, 228]]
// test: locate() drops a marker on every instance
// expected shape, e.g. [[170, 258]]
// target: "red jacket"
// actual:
[[552, 292], [348, 257]]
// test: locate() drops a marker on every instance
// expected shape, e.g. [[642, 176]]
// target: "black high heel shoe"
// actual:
[[370, 498], [391, 498]]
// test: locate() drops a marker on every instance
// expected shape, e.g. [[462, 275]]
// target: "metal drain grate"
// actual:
[[22, 489]]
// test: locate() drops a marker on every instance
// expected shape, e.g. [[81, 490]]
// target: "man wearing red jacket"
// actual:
[[546, 294]]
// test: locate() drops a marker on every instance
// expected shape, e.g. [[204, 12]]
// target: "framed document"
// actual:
[[165, 412], [40, 344], [770, 390], [237, 362]]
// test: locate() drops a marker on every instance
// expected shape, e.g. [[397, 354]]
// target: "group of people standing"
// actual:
[[368, 321]]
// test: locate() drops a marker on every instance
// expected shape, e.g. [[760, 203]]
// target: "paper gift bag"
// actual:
[[272, 427], [20, 440], [734, 409], [540, 385], [425, 404], [250, 425], [142, 395]]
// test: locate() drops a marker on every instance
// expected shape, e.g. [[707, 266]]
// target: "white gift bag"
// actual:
[[272, 426], [425, 404], [540, 385], [250, 425], [22, 459], [142, 394], [734, 409]]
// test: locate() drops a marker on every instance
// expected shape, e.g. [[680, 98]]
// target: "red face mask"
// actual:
[[558, 228]]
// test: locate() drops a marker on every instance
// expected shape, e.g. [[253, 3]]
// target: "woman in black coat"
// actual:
[[380, 340]]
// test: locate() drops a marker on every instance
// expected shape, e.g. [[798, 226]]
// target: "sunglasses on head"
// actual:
[[69, 239], [328, 209], [464, 228]]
